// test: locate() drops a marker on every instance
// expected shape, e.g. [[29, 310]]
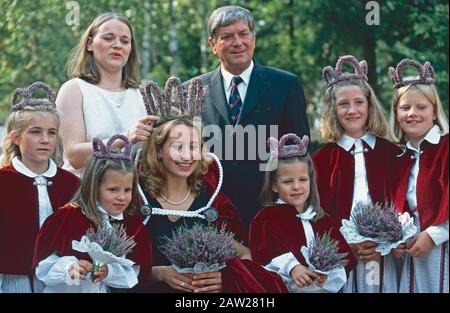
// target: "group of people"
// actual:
[[133, 155]]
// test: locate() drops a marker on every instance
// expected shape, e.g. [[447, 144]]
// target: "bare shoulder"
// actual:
[[69, 95]]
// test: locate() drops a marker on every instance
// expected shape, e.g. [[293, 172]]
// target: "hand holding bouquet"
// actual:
[[380, 224], [106, 245]]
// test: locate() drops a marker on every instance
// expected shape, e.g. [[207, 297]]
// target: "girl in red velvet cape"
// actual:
[[183, 188], [354, 165], [421, 186], [292, 218], [31, 184], [107, 196]]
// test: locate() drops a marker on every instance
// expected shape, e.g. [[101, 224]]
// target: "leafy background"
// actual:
[[296, 35]]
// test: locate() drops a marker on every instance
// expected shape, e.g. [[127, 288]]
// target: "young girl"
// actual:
[[107, 195], [354, 166], [31, 184], [291, 219], [421, 177], [182, 188]]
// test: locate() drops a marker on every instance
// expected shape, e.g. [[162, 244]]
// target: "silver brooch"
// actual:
[[146, 210], [211, 214]]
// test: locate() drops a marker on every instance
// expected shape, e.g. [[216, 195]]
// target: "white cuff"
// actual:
[[121, 276], [438, 233]]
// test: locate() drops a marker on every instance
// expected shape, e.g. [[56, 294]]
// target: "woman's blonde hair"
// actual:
[[87, 194], [17, 122], [429, 92], [269, 197], [82, 64], [151, 169], [330, 128]]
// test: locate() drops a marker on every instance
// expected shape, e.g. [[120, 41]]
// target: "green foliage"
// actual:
[[299, 36]]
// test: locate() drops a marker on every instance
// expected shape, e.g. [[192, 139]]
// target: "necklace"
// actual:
[[177, 203]]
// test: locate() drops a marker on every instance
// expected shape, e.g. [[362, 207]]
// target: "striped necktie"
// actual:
[[235, 102]]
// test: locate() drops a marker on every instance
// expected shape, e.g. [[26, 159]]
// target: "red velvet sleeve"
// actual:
[[245, 276], [262, 244]]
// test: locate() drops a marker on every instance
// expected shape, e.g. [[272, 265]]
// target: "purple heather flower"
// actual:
[[378, 221], [189, 246], [113, 239], [324, 253]]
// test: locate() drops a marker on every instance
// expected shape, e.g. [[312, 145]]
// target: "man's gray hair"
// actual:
[[228, 15]]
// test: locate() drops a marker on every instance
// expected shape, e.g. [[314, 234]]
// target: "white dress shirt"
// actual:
[[242, 87]]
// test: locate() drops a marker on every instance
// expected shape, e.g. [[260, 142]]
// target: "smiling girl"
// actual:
[[107, 195], [353, 166], [291, 218], [421, 177]]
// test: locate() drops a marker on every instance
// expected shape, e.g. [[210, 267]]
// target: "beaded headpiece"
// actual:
[[333, 76], [279, 149], [425, 71], [106, 152], [162, 103], [27, 99]]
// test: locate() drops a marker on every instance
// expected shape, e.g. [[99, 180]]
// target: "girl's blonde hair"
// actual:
[[151, 169], [17, 122], [330, 128], [82, 64], [269, 197], [429, 92], [87, 194]]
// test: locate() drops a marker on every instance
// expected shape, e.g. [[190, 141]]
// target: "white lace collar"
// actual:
[[23, 169], [346, 142]]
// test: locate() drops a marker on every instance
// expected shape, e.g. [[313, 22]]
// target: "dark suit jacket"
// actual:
[[274, 97]]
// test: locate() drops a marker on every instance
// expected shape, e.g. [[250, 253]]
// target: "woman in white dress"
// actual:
[[102, 98]]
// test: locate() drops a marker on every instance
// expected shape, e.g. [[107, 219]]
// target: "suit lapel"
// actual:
[[218, 95], [258, 84]]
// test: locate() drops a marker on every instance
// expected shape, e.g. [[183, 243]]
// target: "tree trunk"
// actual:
[[173, 44], [147, 40]]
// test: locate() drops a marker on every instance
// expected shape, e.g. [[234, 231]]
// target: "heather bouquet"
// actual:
[[379, 223], [198, 249], [106, 245], [323, 255]]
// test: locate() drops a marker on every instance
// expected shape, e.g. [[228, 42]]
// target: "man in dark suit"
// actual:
[[244, 100]]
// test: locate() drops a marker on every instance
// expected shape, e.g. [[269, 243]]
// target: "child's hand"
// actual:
[[320, 281], [365, 251], [399, 251], [302, 276], [80, 269], [209, 282], [100, 274], [420, 245]]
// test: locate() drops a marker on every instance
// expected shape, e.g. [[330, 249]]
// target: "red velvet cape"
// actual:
[[19, 215], [277, 230], [335, 174], [432, 182], [69, 223]]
